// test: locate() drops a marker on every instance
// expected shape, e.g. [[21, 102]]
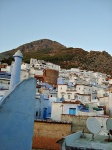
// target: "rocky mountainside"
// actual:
[[57, 53]]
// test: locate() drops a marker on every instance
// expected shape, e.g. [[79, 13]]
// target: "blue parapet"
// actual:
[[17, 117]]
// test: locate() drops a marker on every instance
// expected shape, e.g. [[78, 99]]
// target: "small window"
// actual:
[[68, 96]]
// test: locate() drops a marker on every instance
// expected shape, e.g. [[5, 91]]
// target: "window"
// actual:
[[36, 113], [72, 111]]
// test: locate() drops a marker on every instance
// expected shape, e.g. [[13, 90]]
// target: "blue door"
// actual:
[[45, 113], [72, 111]]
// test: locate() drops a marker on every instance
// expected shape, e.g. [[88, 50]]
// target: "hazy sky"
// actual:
[[85, 24]]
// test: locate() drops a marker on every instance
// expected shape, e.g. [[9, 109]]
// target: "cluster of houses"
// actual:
[[47, 93], [72, 91]]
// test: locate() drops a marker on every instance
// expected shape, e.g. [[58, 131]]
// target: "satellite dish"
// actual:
[[109, 125], [93, 125]]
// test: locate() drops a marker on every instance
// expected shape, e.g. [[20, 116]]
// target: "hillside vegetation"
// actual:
[[57, 53]]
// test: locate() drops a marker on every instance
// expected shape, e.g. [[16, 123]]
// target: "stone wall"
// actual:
[[78, 122], [51, 129], [46, 134]]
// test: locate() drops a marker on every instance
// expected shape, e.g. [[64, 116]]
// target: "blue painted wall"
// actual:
[[17, 117]]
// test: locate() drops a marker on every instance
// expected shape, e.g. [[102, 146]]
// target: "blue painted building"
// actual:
[[43, 106]]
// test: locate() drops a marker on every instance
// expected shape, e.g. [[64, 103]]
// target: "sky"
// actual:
[[83, 24]]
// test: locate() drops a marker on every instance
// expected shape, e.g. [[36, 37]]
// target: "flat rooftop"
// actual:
[[77, 141]]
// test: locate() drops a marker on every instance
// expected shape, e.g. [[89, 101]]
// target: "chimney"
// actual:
[[15, 74]]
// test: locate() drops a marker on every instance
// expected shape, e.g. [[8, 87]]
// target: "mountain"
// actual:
[[57, 53], [35, 46]]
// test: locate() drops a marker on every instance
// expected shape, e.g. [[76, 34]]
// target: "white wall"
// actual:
[[61, 89], [100, 80], [25, 66], [104, 101], [110, 81], [100, 93], [33, 61], [24, 75], [3, 69], [67, 106], [7, 69], [83, 98], [110, 103], [61, 108], [32, 71], [38, 72], [56, 111], [83, 89]]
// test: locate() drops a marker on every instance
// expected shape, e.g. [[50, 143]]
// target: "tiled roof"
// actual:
[[72, 102], [45, 143]]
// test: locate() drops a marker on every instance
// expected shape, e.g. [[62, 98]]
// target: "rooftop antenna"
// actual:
[[93, 126], [109, 128]]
